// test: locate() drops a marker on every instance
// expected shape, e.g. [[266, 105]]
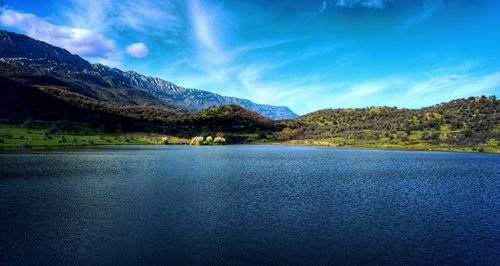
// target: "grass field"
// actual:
[[38, 136]]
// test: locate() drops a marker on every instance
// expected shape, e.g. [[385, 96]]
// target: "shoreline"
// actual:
[[414, 147], [287, 143]]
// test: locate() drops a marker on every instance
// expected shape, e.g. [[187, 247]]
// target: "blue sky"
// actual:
[[306, 55]]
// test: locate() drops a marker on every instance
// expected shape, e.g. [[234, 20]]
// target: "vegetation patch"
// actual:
[[209, 140]]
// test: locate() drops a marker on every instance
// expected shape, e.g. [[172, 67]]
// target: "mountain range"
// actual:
[[114, 85], [40, 82]]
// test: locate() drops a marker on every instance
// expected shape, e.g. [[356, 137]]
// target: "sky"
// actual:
[[306, 55]]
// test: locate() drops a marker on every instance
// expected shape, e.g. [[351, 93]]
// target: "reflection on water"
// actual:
[[248, 205]]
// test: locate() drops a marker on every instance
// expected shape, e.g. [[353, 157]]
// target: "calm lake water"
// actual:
[[248, 205]]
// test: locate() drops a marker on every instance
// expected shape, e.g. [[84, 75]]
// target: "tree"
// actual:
[[219, 141], [197, 141], [285, 134]]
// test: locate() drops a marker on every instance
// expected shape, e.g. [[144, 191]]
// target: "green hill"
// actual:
[[468, 124]]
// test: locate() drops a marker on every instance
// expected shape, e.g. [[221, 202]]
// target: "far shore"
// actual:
[[19, 138], [386, 147], [311, 143]]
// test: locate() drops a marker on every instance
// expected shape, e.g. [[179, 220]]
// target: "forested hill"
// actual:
[[464, 122]]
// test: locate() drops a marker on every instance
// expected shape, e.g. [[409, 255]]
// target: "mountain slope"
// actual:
[[462, 122], [20, 102], [14, 45], [114, 85]]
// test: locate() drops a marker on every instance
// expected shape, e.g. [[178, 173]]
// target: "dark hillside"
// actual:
[[20, 102]]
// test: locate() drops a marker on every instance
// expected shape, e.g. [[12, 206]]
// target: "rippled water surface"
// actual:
[[248, 205]]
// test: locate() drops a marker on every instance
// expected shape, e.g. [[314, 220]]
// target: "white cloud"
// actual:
[[138, 50], [81, 41]]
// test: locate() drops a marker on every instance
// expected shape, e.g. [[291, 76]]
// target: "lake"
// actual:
[[248, 204]]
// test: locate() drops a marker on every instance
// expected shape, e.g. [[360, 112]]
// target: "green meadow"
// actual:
[[39, 135]]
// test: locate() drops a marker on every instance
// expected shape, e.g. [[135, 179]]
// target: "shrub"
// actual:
[[219, 141], [197, 141], [285, 134], [209, 140], [164, 140]]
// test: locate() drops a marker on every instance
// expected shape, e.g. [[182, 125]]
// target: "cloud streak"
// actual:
[[455, 86], [202, 20], [373, 4], [428, 9]]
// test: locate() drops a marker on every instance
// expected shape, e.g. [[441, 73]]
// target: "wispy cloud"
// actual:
[[375, 4], [263, 44], [435, 84], [105, 15], [408, 91], [202, 21], [455, 86], [413, 91], [370, 88], [79, 41], [428, 9]]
